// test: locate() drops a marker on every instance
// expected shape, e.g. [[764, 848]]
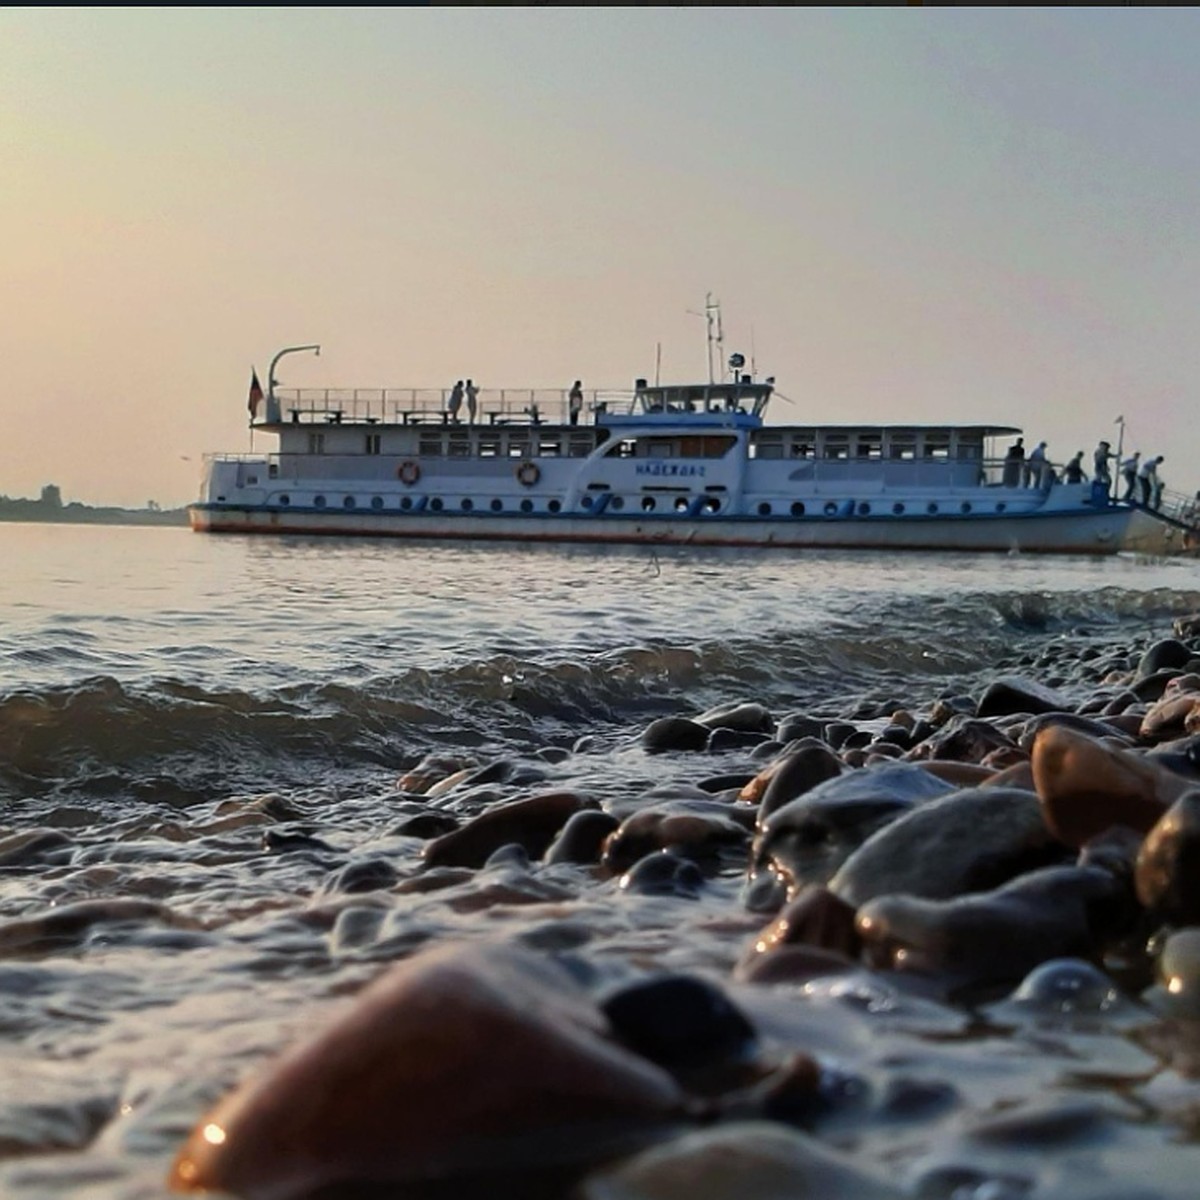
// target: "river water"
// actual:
[[167, 697]]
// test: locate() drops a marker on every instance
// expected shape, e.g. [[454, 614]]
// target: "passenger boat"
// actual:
[[674, 464]]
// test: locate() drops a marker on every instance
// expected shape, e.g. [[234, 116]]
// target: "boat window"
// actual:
[[937, 446], [319, 501], [527, 506], [798, 508], [459, 447], [285, 499], [251, 479], [659, 448], [497, 506], [316, 443], [764, 509], [373, 443], [554, 506], [869, 446], [489, 448], [549, 447], [618, 502], [626, 448], [273, 471], [518, 449], [802, 449], [903, 447], [467, 504], [348, 502], [435, 504], [647, 503], [837, 447], [579, 447], [767, 445], [376, 502], [430, 447]]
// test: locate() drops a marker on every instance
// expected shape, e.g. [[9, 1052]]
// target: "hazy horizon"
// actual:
[[915, 214]]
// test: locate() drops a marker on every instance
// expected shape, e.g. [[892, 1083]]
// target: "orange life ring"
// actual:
[[408, 472], [528, 474]]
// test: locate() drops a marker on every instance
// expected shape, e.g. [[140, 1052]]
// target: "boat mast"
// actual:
[[712, 320]]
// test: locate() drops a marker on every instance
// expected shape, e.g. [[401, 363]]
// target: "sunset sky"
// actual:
[[918, 214]]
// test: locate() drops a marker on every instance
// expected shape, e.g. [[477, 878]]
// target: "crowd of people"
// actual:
[[1140, 474]]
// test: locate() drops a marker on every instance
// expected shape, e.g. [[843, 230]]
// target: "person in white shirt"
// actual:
[[1148, 478]]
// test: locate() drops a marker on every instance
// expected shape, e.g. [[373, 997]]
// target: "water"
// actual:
[[165, 697]]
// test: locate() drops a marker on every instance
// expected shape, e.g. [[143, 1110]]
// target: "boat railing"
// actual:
[[424, 406]]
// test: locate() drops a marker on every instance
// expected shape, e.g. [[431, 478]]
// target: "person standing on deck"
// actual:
[[1035, 468], [1148, 478], [1014, 461], [1129, 472], [1074, 469], [455, 401], [575, 401], [1100, 463], [472, 401]]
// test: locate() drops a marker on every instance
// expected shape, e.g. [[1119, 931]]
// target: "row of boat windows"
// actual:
[[709, 504], [764, 444]]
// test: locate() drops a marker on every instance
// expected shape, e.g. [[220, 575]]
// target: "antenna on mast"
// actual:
[[712, 320]]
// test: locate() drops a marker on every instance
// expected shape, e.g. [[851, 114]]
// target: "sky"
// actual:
[[908, 214]]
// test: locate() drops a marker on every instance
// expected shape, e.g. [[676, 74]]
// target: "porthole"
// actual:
[[285, 499], [864, 509], [1001, 506], [830, 509], [527, 506], [319, 501], [798, 508], [647, 504], [585, 502], [348, 502], [931, 508], [764, 510], [681, 504], [405, 503], [554, 506], [436, 505], [617, 503], [497, 506], [712, 505], [898, 509], [376, 502], [965, 507], [466, 505]]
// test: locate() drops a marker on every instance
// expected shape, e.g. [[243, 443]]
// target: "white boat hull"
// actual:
[[1103, 531]]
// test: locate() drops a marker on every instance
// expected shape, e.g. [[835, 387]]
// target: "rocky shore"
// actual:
[[949, 952]]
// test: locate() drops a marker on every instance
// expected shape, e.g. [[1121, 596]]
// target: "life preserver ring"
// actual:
[[528, 474], [408, 472]]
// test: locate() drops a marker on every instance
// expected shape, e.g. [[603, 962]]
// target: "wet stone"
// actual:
[[663, 874], [580, 840], [532, 823], [968, 841], [741, 716], [680, 1022], [1016, 694], [674, 733], [1168, 865], [365, 875], [1166, 654]]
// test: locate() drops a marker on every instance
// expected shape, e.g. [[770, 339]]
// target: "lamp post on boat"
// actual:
[[272, 403]]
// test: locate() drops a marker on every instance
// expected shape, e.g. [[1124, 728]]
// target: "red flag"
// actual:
[[256, 394]]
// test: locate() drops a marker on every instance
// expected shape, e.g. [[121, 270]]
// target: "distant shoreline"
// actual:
[[83, 514]]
